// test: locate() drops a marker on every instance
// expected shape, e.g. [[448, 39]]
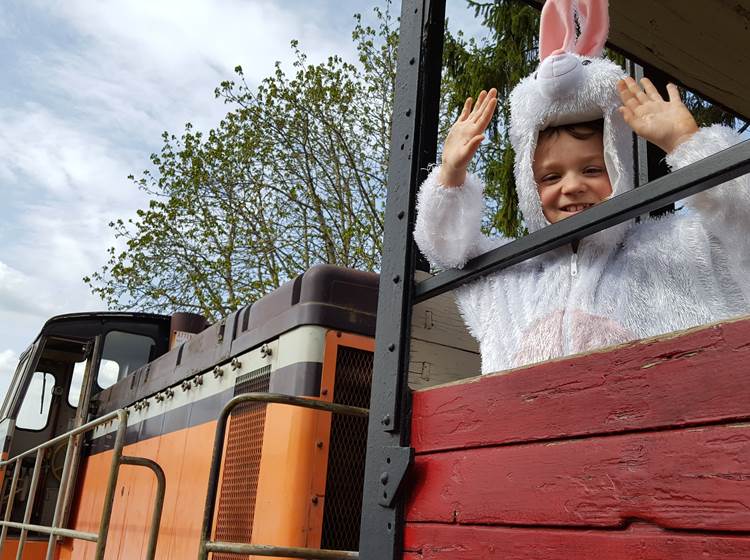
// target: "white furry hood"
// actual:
[[532, 111]]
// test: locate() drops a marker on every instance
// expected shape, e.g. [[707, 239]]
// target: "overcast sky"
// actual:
[[87, 89]]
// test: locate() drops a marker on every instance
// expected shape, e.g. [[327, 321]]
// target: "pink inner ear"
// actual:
[[557, 30], [594, 16]]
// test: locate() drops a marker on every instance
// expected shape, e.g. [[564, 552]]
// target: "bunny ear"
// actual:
[[557, 30], [594, 19]]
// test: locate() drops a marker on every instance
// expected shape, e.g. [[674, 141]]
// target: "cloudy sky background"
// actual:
[[88, 88]]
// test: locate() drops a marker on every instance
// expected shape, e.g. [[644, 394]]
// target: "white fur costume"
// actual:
[[631, 281]]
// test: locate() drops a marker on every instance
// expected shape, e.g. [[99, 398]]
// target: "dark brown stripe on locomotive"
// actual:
[[300, 379]]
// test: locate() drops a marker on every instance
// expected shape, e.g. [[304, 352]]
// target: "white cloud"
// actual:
[[93, 86]]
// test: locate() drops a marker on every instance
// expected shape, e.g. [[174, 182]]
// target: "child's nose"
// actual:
[[573, 185]]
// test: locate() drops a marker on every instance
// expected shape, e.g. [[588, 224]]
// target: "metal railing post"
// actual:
[[61, 494], [30, 500], [55, 531], [11, 500], [161, 485], [109, 495]]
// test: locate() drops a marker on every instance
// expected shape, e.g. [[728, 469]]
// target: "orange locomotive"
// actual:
[[302, 468]]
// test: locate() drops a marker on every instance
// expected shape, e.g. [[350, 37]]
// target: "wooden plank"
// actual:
[[695, 377], [696, 479], [433, 364], [639, 542], [702, 44], [442, 350], [438, 320]]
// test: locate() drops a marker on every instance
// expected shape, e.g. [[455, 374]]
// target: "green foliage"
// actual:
[[293, 175], [501, 59]]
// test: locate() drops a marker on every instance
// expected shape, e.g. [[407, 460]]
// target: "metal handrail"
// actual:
[[206, 544], [692, 179], [54, 530]]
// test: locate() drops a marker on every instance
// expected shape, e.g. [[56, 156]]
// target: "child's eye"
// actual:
[[549, 179], [593, 171]]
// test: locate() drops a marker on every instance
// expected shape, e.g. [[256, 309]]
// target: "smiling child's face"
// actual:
[[570, 173]]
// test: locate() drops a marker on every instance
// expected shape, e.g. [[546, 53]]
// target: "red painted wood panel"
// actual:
[[698, 377], [695, 478], [455, 542]]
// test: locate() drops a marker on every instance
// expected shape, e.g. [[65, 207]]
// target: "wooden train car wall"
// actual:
[[639, 452]]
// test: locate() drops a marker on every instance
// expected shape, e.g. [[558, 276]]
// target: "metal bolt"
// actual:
[[384, 478], [391, 347], [218, 372], [236, 364], [401, 215], [412, 60], [408, 112], [319, 444], [387, 420], [169, 393], [265, 351], [315, 500], [396, 279], [324, 392], [186, 385], [198, 380], [159, 397]]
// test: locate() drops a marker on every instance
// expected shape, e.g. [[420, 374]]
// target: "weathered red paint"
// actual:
[[697, 378], [456, 542], [640, 452], [681, 479]]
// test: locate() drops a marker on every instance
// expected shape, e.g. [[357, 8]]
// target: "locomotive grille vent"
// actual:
[[346, 459], [239, 485]]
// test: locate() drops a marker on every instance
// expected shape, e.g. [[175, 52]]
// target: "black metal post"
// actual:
[[413, 148]]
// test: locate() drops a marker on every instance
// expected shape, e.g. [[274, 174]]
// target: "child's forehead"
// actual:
[[561, 144]]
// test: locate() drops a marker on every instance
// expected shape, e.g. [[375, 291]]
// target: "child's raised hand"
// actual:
[[664, 123], [464, 138]]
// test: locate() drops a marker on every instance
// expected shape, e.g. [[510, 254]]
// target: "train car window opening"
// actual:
[[34, 411], [122, 354]]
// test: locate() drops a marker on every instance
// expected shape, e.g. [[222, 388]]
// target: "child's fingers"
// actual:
[[626, 96], [466, 110], [674, 93], [489, 110], [478, 107], [651, 90], [473, 145], [627, 115], [636, 90]]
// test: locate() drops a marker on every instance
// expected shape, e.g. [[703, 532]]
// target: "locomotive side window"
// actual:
[[34, 411], [123, 353]]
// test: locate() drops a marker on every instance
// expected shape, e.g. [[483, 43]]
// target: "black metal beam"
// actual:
[[692, 179], [413, 148]]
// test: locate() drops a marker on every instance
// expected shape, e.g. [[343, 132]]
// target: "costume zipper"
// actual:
[[566, 314]]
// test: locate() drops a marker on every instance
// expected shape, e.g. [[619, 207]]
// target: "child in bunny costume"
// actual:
[[627, 282]]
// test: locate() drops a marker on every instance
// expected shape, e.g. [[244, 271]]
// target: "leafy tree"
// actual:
[[292, 176], [295, 173]]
